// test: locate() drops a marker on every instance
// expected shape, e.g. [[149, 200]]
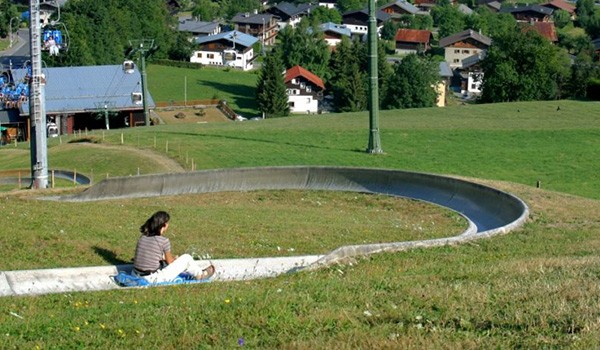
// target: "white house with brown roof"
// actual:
[[459, 46], [304, 90]]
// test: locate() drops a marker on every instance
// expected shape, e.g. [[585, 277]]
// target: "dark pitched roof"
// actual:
[[413, 36], [194, 26], [406, 6], [533, 8], [252, 18], [381, 16], [469, 33], [293, 10], [297, 71]]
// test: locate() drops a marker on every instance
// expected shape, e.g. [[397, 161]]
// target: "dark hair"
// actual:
[[156, 222]]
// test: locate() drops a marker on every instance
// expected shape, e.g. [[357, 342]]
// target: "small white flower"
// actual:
[[367, 313]]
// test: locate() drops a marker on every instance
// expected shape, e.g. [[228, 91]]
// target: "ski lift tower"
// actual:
[[144, 47], [374, 140], [37, 102]]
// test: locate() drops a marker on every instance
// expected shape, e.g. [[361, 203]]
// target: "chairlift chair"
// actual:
[[136, 98], [128, 67]]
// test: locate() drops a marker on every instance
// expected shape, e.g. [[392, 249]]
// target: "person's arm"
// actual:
[[169, 258]]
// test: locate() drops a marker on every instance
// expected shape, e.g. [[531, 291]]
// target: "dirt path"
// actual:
[[168, 164]]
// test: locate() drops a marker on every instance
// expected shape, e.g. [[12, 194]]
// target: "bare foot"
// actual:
[[206, 273]]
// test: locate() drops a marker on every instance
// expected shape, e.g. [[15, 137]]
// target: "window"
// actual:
[[457, 51], [294, 81], [308, 100], [302, 85], [289, 91], [210, 55], [308, 88], [291, 104], [199, 55], [456, 60], [473, 86], [466, 51]]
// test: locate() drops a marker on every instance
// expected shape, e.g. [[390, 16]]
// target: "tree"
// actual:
[[324, 15], [448, 19], [388, 32], [349, 5], [305, 47], [205, 10], [561, 18], [348, 78], [523, 66], [271, 93], [412, 83]]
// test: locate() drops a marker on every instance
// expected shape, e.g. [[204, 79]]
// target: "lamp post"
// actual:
[[10, 32]]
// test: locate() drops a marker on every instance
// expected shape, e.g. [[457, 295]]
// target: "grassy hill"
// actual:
[[535, 288]]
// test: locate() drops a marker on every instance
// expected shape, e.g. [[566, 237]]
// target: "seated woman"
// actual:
[[153, 247]]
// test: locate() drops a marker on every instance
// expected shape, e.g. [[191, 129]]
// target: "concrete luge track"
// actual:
[[488, 211]]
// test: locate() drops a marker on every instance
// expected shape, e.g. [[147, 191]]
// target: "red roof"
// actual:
[[297, 71], [545, 29], [561, 4], [413, 36]]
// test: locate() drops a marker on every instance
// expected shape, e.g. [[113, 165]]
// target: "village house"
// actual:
[[304, 90], [198, 28], [358, 21], [231, 49], [461, 45], [556, 5], [443, 84], [260, 25], [333, 33], [289, 14], [412, 41], [399, 8], [529, 13]]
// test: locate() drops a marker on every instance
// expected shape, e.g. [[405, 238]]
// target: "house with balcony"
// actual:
[[304, 90], [229, 49], [260, 25], [289, 14]]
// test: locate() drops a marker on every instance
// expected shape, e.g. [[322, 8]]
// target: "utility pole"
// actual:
[[144, 47], [374, 141], [106, 106], [37, 102]]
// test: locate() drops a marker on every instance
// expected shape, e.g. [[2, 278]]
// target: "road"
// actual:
[[19, 53]]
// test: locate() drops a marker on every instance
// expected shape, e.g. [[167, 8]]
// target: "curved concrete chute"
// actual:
[[488, 211]]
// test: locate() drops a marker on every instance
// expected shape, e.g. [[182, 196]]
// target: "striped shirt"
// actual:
[[149, 251]]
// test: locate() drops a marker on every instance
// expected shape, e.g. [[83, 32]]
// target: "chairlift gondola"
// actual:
[[55, 38]]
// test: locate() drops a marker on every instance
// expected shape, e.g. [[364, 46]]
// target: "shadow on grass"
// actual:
[[242, 96], [109, 256]]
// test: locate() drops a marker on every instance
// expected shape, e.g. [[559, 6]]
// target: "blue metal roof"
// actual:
[[83, 89], [240, 38]]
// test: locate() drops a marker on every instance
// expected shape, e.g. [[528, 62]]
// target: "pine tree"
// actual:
[[271, 92]]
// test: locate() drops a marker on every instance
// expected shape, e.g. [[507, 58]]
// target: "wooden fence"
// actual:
[[189, 103]]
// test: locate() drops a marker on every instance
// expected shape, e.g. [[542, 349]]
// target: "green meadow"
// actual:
[[236, 87], [537, 287]]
